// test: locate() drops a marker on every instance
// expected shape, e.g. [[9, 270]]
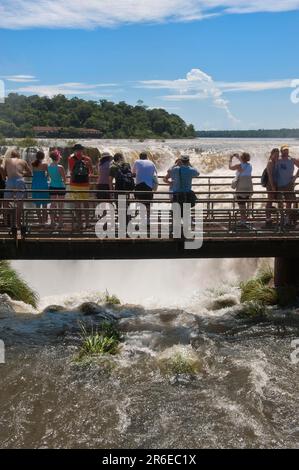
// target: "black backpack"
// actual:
[[265, 178], [124, 180], [80, 173]]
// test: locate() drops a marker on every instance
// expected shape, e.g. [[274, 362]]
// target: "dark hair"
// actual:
[[54, 156], [143, 156], [38, 158], [15, 154], [245, 157], [118, 156]]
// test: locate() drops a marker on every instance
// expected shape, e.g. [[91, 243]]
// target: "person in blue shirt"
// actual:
[[271, 184], [181, 177], [286, 179]]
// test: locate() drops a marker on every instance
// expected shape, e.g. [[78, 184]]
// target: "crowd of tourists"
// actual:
[[279, 178], [116, 176]]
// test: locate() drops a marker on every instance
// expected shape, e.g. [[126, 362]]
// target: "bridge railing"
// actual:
[[221, 214], [204, 181]]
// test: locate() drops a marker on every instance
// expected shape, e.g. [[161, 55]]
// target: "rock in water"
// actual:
[[54, 309], [91, 308], [5, 306], [224, 301]]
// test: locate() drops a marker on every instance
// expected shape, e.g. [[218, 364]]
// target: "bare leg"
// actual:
[[60, 207], [53, 212], [243, 212], [86, 213]]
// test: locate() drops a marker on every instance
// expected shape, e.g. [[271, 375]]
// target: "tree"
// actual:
[[20, 114]]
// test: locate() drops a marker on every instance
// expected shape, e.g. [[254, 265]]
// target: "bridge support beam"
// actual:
[[286, 273]]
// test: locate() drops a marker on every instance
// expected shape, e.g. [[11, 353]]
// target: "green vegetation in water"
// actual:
[[258, 289], [99, 341], [265, 274], [254, 310], [12, 285], [111, 299], [179, 362]]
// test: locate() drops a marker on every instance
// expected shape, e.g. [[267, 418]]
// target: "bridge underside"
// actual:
[[87, 249]]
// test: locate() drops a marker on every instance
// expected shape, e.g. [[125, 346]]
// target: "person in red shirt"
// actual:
[[80, 168]]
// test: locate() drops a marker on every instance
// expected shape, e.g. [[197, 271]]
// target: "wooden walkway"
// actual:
[[24, 236]]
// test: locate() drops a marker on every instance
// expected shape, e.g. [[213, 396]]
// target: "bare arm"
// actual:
[[111, 183], [62, 172], [235, 167], [167, 178], [27, 169], [296, 162], [90, 167]]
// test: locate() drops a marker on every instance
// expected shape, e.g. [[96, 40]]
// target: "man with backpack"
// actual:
[[80, 168], [120, 175], [181, 176]]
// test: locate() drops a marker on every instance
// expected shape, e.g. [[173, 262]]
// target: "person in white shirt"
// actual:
[[145, 173]]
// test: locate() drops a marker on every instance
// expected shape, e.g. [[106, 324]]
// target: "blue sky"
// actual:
[[231, 66]]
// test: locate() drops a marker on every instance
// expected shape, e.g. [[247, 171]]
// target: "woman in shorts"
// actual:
[[57, 188]]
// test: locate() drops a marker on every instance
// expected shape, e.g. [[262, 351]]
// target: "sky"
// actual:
[[219, 64]]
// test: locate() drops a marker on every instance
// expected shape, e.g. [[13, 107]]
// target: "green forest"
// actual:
[[19, 115]]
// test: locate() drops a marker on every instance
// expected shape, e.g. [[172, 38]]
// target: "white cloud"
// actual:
[[196, 86], [256, 86], [199, 86], [20, 78], [68, 89], [93, 13]]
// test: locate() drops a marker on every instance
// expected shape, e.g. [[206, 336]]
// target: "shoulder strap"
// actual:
[[181, 179]]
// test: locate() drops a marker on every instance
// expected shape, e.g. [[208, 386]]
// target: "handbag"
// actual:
[[235, 182]]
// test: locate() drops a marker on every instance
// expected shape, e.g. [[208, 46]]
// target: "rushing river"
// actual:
[[243, 388]]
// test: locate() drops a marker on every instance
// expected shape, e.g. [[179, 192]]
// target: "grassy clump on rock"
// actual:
[[258, 290], [12, 285], [179, 360], [111, 299], [100, 341], [253, 310]]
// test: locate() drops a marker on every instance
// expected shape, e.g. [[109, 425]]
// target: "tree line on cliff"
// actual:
[[20, 116]]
